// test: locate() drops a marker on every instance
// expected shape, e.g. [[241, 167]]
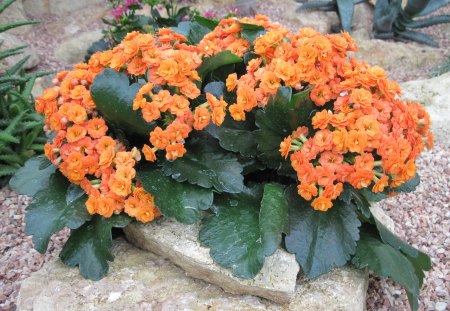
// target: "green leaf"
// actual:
[[6, 137], [421, 263], [345, 11], [58, 205], [207, 165], [432, 6], [113, 95], [250, 32], [216, 61], [277, 121], [320, 240], [89, 246], [418, 37], [389, 238], [181, 201], [408, 186], [17, 66], [193, 31], [359, 198], [273, 217], [385, 261], [209, 23], [8, 26], [236, 136], [233, 235], [5, 4], [33, 176], [427, 22]]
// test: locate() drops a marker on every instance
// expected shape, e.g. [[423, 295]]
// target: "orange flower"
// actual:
[[149, 153], [307, 191], [159, 138], [105, 206], [321, 94], [333, 191], [321, 119], [270, 82], [96, 127], [381, 184], [285, 147], [202, 118], [120, 186], [150, 112], [237, 112], [175, 151], [361, 98], [231, 82], [218, 115], [76, 114], [323, 140], [322, 204], [356, 141], [246, 97], [75, 133]]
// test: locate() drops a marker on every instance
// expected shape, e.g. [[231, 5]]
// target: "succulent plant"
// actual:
[[391, 21], [344, 9]]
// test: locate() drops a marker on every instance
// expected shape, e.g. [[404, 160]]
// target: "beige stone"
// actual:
[[139, 280], [179, 243], [11, 41], [434, 94], [36, 8], [61, 7], [390, 55], [73, 50]]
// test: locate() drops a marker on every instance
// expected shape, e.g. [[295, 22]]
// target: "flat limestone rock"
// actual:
[[178, 242], [140, 280]]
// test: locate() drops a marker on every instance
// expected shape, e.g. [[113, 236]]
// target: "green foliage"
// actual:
[[60, 204], [89, 246], [344, 9], [182, 201], [320, 241], [442, 68], [391, 21], [113, 96], [239, 235], [21, 129], [207, 165]]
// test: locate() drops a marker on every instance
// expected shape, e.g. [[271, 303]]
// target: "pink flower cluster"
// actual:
[[121, 9]]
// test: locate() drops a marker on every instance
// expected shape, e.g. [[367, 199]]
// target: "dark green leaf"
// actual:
[[113, 95], [33, 176], [233, 235], [89, 246], [273, 217], [432, 6], [216, 61], [345, 11], [207, 165], [421, 263], [236, 136], [385, 261], [216, 88], [320, 240], [408, 186], [418, 37], [390, 238], [193, 31], [250, 32], [8, 26], [209, 23], [181, 201], [56, 206], [427, 22]]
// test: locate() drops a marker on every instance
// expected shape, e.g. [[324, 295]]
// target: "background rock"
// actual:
[[139, 280], [73, 50], [391, 55], [11, 41], [179, 243], [434, 95]]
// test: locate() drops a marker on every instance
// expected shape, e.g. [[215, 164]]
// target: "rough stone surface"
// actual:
[[36, 8], [433, 94], [11, 41], [390, 55], [73, 50], [139, 280], [178, 242]]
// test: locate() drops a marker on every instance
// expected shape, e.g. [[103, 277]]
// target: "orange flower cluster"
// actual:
[[85, 154]]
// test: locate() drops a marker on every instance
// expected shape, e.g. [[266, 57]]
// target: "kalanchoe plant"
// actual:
[[391, 21], [21, 133], [268, 138], [344, 9]]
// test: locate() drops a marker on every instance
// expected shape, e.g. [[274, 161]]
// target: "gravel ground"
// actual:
[[422, 218]]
